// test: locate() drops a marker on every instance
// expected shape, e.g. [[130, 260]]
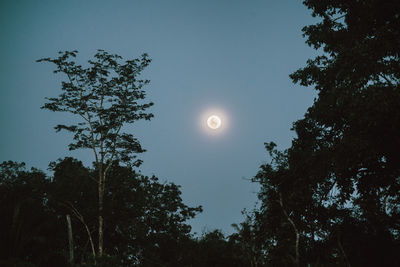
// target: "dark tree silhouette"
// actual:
[[105, 96], [30, 233], [333, 197], [147, 223]]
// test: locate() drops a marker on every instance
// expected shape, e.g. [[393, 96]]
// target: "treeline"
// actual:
[[145, 226], [331, 199]]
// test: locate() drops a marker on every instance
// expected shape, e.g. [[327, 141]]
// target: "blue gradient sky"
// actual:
[[230, 56]]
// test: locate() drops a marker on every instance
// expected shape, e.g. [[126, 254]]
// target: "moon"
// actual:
[[214, 122]]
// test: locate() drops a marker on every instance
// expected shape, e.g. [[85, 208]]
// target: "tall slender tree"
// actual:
[[105, 96]]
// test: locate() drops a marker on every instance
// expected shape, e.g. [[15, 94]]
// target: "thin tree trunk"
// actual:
[[15, 229], [70, 240], [90, 239], [17, 209], [297, 258], [79, 216], [101, 223]]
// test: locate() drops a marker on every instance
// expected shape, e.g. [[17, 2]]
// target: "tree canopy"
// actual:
[[105, 95], [147, 223], [333, 196]]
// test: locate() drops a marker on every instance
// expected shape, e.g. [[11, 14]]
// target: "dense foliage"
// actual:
[[146, 226], [333, 197]]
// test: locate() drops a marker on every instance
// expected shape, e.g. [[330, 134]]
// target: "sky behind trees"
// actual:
[[233, 56]]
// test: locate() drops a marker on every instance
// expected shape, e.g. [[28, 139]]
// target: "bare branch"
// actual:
[[296, 261]]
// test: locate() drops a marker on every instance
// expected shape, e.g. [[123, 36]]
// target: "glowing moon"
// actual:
[[214, 122]]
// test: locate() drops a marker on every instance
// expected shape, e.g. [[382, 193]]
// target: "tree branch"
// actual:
[[87, 120], [294, 228], [79, 216]]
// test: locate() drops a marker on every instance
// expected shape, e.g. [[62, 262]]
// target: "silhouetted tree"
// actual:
[[30, 234], [280, 220], [72, 192], [215, 250], [147, 218], [146, 223], [351, 134], [249, 240], [105, 96], [333, 197]]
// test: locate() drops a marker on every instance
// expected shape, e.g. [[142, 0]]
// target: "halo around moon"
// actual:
[[214, 122], [211, 126]]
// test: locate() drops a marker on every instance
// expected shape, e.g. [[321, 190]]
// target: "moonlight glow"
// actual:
[[214, 122]]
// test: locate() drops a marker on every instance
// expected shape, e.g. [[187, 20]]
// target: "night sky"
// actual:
[[232, 58]]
